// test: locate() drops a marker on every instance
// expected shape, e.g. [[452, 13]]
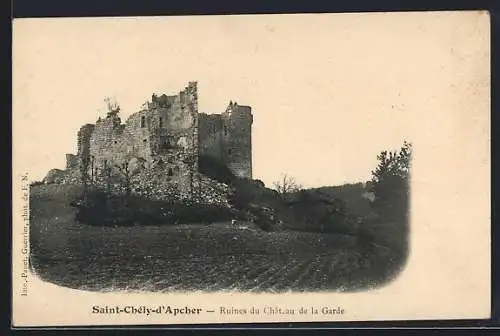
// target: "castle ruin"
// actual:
[[157, 150]]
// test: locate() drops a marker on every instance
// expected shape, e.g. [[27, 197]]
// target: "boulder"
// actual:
[[54, 176]]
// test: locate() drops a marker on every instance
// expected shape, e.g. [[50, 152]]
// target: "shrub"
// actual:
[[391, 183], [99, 208], [264, 217], [215, 169], [315, 212], [240, 198], [259, 183]]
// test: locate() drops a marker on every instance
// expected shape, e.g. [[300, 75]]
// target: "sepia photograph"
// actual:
[[167, 201], [245, 154]]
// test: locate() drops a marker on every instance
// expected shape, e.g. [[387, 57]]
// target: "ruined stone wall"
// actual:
[[163, 136], [210, 136], [71, 176], [113, 143], [228, 138], [173, 121], [156, 151], [83, 145], [54, 176], [83, 139], [72, 161]]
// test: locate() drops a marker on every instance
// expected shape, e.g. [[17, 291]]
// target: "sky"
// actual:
[[328, 91]]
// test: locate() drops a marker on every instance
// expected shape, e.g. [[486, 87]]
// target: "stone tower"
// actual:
[[237, 139]]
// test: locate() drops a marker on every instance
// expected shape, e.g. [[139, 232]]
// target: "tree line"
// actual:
[[389, 187]]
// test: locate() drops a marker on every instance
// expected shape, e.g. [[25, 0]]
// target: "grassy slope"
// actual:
[[351, 194], [394, 235], [192, 257]]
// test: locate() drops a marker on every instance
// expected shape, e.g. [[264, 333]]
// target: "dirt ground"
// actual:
[[217, 257]]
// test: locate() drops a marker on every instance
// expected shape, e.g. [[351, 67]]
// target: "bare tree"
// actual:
[[128, 171], [84, 173], [107, 172], [286, 185]]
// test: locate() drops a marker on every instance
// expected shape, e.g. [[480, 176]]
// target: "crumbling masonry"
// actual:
[[156, 151]]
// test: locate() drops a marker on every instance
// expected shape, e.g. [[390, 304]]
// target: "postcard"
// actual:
[[251, 168]]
